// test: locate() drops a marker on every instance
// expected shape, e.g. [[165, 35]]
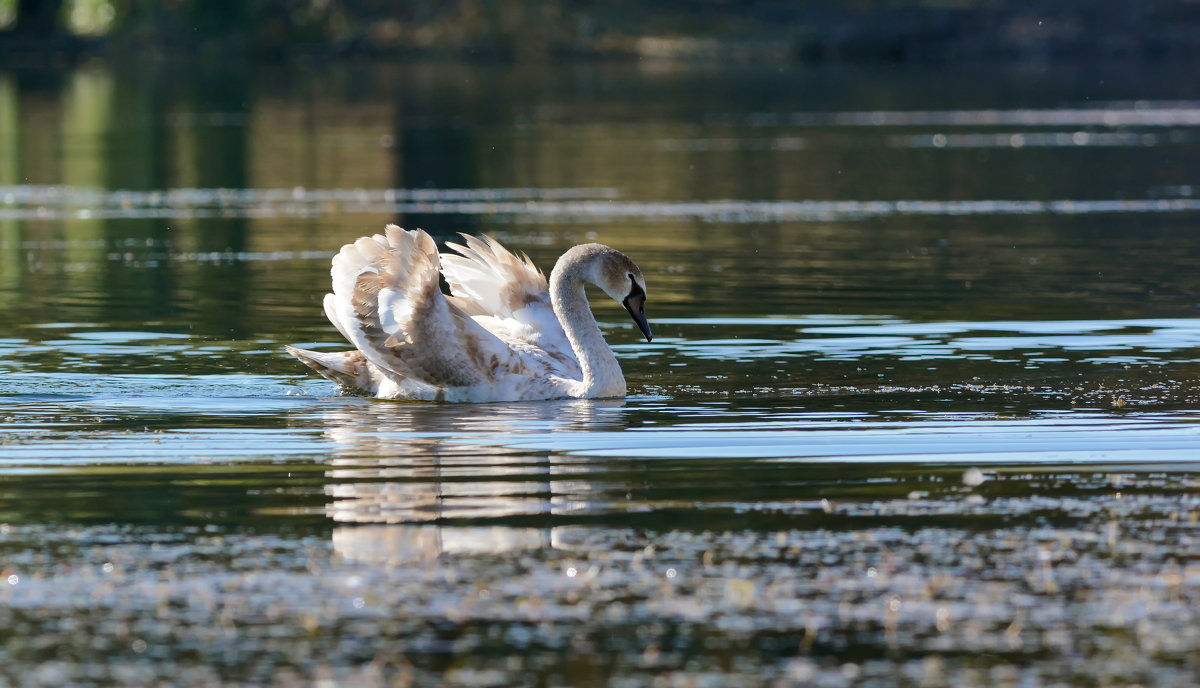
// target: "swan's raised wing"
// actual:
[[492, 280], [387, 301], [510, 297]]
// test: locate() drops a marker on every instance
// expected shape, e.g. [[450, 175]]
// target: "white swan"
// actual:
[[502, 334]]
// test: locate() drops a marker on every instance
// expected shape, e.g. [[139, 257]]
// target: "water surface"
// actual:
[[921, 406]]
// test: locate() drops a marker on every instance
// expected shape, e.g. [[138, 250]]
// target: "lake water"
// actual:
[[921, 407]]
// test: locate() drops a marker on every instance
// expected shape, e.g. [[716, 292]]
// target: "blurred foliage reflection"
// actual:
[[638, 156]]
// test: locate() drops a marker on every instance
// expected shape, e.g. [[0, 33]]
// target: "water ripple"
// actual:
[[1141, 113], [31, 203]]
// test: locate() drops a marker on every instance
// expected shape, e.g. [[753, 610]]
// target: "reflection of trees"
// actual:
[[415, 468], [87, 130], [214, 121], [655, 134], [326, 135], [112, 138], [11, 276]]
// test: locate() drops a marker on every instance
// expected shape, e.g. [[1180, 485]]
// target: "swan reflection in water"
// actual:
[[402, 470]]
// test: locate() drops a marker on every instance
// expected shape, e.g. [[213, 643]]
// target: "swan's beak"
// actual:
[[635, 303]]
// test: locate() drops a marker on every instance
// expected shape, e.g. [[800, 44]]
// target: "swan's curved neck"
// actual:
[[601, 373]]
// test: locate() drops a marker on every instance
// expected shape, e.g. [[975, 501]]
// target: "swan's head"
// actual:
[[621, 279]]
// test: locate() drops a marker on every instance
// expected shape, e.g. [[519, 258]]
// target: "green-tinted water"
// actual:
[[921, 406]]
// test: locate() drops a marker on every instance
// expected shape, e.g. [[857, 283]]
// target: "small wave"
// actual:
[[32, 203], [1142, 114]]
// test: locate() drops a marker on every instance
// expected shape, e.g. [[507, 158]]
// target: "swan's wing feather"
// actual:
[[500, 282], [331, 312], [509, 296], [387, 301]]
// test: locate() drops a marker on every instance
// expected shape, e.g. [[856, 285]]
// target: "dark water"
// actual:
[[921, 408]]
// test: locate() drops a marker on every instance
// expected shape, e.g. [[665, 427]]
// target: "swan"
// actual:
[[502, 334]]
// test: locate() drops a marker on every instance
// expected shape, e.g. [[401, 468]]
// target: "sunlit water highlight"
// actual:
[[266, 203], [1140, 114], [668, 427]]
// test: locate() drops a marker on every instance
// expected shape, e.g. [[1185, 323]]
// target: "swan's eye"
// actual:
[[634, 287], [636, 296]]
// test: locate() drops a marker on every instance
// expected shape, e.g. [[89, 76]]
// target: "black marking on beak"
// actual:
[[635, 303]]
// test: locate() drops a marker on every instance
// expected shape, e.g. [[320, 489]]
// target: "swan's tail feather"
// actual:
[[347, 368]]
